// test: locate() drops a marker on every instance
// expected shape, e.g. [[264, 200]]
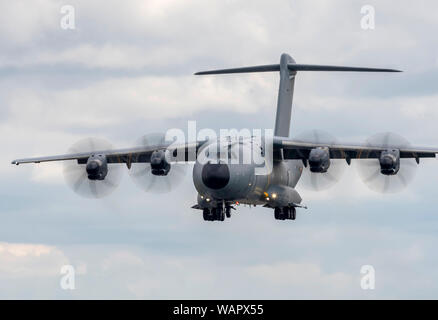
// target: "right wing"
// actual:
[[183, 152]]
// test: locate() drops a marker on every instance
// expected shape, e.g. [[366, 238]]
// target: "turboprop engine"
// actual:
[[97, 167], [319, 159], [389, 162]]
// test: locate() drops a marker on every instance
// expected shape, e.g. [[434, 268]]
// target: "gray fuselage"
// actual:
[[228, 172]]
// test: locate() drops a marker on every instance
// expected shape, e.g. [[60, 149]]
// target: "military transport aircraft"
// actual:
[[223, 180]]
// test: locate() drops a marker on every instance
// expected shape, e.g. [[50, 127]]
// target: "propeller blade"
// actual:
[[142, 175], [369, 169], [76, 176], [315, 180]]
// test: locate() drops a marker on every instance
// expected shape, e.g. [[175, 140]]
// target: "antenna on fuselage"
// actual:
[[288, 70]]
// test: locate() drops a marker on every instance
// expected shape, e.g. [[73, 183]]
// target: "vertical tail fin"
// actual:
[[285, 96]]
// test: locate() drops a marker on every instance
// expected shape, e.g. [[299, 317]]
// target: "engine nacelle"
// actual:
[[97, 167], [319, 159], [160, 162], [390, 162]]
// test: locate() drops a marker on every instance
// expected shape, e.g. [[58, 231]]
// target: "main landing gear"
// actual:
[[216, 214], [285, 213]]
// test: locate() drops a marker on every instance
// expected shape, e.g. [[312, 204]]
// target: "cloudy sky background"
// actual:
[[126, 70]]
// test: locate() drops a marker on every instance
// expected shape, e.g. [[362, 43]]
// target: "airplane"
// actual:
[[221, 182]]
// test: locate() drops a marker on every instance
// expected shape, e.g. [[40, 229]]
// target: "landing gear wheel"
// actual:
[[220, 215], [206, 214], [277, 213], [286, 213], [228, 212], [293, 213], [213, 216]]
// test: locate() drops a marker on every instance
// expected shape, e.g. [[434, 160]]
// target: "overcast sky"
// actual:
[[127, 70]]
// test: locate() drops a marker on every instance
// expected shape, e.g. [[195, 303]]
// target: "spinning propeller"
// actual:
[[370, 169], [164, 182], [77, 175], [319, 181]]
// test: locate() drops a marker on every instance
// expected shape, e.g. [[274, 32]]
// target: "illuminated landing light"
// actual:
[[274, 196], [208, 199], [267, 199]]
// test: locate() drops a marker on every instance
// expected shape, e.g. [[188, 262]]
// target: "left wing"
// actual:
[[295, 149], [127, 155]]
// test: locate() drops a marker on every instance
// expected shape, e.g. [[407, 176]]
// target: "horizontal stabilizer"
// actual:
[[265, 68], [288, 69], [294, 67], [315, 67]]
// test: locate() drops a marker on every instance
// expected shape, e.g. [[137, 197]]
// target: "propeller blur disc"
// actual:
[[369, 169], [142, 175], [76, 176], [320, 181]]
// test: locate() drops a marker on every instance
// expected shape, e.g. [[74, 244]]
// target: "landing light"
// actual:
[[274, 196]]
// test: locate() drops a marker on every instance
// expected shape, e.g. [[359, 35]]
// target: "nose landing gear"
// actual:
[[217, 214], [285, 213]]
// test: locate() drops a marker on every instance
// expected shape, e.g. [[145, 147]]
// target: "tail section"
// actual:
[[288, 70], [285, 96]]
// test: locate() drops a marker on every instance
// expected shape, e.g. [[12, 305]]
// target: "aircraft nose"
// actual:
[[215, 175]]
